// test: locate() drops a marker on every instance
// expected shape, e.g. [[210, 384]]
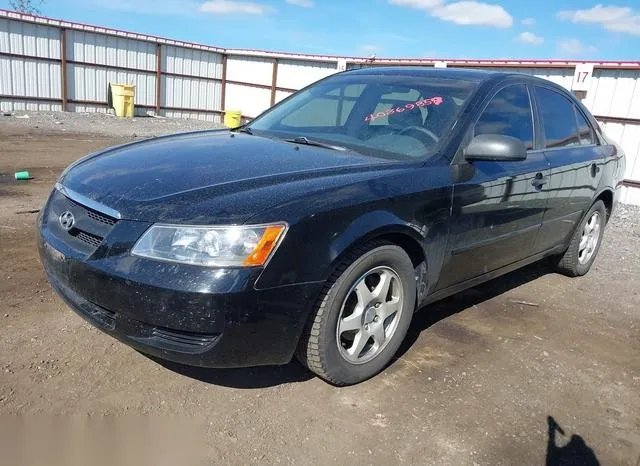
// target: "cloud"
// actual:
[[426, 5], [610, 17], [474, 13], [368, 48], [529, 21], [302, 3], [529, 38], [222, 7], [575, 48], [462, 12]]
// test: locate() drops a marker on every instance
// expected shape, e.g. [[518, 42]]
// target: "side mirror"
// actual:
[[495, 147]]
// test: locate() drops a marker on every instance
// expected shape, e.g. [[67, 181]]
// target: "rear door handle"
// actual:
[[539, 181]]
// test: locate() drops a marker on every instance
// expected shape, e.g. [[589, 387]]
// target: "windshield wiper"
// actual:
[[242, 129], [303, 140]]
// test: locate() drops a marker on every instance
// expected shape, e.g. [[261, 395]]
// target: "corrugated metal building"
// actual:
[[53, 65]]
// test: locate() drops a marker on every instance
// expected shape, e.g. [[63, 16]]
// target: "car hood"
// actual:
[[207, 176]]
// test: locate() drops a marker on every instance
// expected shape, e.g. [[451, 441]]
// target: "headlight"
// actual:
[[234, 246]]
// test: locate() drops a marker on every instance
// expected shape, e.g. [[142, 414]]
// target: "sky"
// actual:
[[440, 29]]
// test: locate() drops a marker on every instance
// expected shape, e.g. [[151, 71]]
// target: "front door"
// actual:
[[497, 207]]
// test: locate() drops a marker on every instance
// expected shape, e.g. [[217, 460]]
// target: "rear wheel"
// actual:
[[585, 243], [362, 315]]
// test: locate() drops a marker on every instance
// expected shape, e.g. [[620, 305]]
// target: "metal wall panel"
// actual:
[[29, 39], [294, 74], [29, 77], [628, 136], [192, 62], [110, 50], [190, 93], [251, 101], [256, 70], [614, 93], [89, 83]]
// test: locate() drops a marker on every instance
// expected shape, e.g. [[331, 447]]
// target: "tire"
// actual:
[[329, 347], [575, 262]]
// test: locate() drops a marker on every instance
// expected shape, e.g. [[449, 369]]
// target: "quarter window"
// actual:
[[585, 133], [509, 114], [558, 119]]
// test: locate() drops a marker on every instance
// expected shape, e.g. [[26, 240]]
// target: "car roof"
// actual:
[[430, 72]]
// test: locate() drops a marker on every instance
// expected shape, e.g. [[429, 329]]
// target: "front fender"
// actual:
[[313, 247], [324, 226], [373, 225]]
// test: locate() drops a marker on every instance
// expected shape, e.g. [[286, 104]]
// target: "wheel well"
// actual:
[[410, 245], [607, 198]]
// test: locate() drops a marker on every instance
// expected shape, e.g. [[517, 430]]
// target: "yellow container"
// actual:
[[232, 118], [122, 98]]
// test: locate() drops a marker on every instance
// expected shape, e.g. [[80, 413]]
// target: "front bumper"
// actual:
[[191, 315]]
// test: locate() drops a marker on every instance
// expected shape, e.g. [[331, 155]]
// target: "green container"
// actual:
[[23, 176]]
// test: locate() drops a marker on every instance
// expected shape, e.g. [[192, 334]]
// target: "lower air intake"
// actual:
[[182, 341]]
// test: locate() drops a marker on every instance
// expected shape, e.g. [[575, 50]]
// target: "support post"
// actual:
[[63, 69], [223, 84], [274, 81], [158, 78]]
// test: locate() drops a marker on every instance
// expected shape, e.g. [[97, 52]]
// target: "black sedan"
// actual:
[[319, 228]]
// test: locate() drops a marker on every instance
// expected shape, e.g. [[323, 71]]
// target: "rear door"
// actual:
[[575, 158], [497, 207]]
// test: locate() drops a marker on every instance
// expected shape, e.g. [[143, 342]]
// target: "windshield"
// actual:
[[396, 116]]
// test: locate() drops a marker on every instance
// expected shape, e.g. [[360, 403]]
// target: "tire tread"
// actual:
[[308, 350], [568, 264]]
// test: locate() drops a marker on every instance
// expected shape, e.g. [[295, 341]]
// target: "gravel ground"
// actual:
[[100, 123], [481, 380]]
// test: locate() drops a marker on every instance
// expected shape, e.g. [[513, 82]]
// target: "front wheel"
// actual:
[[362, 315], [585, 243]]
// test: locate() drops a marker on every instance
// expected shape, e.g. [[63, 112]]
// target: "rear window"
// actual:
[[558, 119], [394, 116]]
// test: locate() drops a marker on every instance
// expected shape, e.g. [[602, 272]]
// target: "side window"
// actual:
[[509, 114], [558, 119], [584, 129], [328, 110]]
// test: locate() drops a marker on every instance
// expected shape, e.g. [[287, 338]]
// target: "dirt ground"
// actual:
[[480, 380]]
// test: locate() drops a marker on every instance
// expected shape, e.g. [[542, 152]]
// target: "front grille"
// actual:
[[90, 239], [100, 218], [89, 229]]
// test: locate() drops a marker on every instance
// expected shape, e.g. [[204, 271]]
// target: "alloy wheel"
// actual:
[[590, 238], [370, 315]]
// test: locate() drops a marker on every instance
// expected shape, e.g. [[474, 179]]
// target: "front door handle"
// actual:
[[539, 181]]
